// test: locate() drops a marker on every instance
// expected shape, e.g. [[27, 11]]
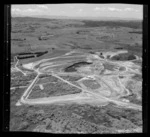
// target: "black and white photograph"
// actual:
[[76, 68]]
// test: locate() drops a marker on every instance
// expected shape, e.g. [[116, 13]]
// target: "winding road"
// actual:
[[86, 96]]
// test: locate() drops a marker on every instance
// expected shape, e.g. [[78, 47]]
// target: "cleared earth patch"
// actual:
[[92, 84]]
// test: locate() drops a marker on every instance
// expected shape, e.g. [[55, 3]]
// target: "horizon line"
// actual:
[[75, 17]]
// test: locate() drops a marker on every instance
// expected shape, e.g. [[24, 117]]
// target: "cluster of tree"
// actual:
[[124, 57], [137, 32], [19, 39], [31, 55], [38, 54], [130, 24], [74, 118], [25, 57], [82, 32], [73, 68]]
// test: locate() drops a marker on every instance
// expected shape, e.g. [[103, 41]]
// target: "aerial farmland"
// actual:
[[76, 76]]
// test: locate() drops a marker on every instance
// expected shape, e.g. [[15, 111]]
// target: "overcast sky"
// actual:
[[80, 10]]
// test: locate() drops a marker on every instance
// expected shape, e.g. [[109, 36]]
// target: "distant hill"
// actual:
[[89, 22], [80, 18]]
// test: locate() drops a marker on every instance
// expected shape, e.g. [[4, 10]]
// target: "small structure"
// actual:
[[41, 87], [43, 38]]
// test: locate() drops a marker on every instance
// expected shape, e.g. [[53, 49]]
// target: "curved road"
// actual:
[[85, 96]]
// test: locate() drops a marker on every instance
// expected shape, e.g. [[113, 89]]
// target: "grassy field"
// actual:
[[35, 35]]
